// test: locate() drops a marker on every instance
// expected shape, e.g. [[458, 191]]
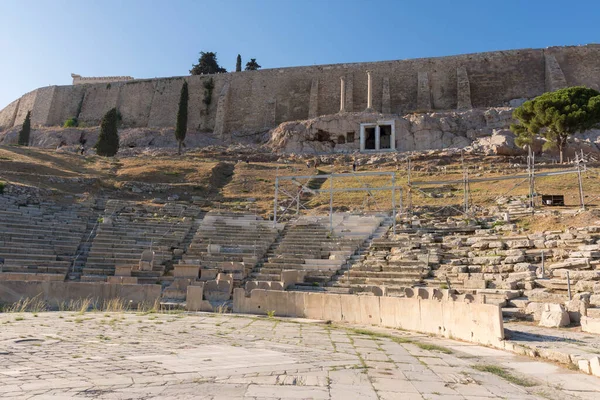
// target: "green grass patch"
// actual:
[[505, 374], [433, 347], [379, 335]]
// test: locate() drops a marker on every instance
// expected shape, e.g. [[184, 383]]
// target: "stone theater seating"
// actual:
[[39, 242], [127, 230]]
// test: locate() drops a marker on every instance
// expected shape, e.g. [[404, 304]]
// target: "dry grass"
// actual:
[[251, 187], [541, 223]]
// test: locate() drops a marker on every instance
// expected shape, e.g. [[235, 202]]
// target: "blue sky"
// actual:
[[43, 41]]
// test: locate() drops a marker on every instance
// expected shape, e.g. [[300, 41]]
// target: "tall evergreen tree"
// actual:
[[238, 63], [108, 140], [252, 65], [25, 130], [182, 116], [207, 64]]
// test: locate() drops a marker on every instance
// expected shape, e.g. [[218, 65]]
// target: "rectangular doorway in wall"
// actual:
[[370, 138], [385, 137]]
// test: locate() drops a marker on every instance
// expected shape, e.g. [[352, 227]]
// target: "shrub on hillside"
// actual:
[[70, 123]]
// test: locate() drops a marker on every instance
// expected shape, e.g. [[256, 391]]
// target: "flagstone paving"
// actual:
[[64, 355]]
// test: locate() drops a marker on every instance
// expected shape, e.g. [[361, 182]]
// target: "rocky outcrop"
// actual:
[[482, 130], [414, 132], [72, 138]]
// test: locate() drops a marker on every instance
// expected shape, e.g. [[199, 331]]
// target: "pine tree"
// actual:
[[182, 116], [207, 64], [252, 65], [238, 64], [25, 130], [108, 141], [556, 116]]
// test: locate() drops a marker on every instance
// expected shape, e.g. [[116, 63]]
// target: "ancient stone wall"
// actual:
[[82, 80], [470, 321], [258, 100]]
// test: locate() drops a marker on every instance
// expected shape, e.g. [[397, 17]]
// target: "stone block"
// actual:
[[474, 284], [350, 309], [218, 290], [123, 270], [576, 275], [123, 280], [590, 325], [313, 306], [186, 271], [291, 277], [369, 310], [595, 366], [535, 309], [519, 244], [332, 307], [194, 297], [208, 274], [554, 316], [576, 309], [584, 366]]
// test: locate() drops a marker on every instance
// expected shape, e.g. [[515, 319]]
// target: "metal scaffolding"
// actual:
[[303, 188]]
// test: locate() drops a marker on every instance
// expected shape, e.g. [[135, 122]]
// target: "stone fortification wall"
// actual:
[[252, 101], [470, 321]]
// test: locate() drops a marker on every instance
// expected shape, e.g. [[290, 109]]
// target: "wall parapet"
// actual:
[[81, 80], [447, 316]]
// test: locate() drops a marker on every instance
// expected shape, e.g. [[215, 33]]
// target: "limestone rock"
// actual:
[[554, 316], [591, 325]]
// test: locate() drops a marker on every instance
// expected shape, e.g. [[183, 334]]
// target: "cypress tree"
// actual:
[[182, 116], [108, 141], [238, 64], [25, 130]]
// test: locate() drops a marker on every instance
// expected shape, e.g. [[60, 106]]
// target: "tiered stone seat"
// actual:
[[127, 230], [395, 263], [230, 243], [309, 246], [39, 242]]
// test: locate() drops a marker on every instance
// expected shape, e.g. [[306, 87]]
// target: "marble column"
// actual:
[[369, 91], [342, 94]]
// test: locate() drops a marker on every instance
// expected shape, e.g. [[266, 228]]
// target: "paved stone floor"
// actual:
[[64, 355]]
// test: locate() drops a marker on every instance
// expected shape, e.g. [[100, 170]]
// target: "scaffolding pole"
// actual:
[[394, 202], [331, 204], [581, 200], [275, 202]]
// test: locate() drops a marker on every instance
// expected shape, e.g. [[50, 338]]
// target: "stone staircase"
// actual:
[[230, 243], [308, 245]]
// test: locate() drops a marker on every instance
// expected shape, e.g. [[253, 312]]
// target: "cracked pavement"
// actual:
[[129, 355]]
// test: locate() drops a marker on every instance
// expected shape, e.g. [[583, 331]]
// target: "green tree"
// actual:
[[25, 130], [238, 63], [108, 140], [557, 115], [182, 116], [252, 65], [207, 64]]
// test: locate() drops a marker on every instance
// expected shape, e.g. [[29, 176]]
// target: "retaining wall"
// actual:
[[251, 101], [469, 321], [55, 293]]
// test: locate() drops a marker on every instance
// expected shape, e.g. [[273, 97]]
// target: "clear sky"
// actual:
[[43, 41]]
